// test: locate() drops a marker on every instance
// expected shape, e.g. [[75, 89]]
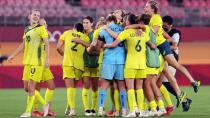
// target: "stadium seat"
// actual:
[[2, 3], [187, 3]]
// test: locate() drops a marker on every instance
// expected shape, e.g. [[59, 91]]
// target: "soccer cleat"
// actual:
[[196, 86], [161, 112], [101, 112], [169, 110], [110, 113], [186, 105], [25, 115], [116, 114], [37, 114], [141, 113], [136, 111], [124, 112], [93, 112], [180, 98], [152, 113], [88, 113], [72, 113], [67, 111], [131, 114], [46, 109], [51, 113], [144, 113]]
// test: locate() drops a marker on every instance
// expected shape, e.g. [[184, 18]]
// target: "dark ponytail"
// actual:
[[132, 19]]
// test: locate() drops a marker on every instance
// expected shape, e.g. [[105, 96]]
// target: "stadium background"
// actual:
[[192, 17]]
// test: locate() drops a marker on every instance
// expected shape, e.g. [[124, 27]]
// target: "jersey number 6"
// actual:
[[138, 46]]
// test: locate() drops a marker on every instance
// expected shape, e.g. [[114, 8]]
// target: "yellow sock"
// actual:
[[131, 98], [94, 100], [39, 98], [153, 105], [71, 97], [140, 99], [146, 105], [112, 95], [116, 100], [160, 104], [85, 98], [135, 103], [49, 95], [166, 95], [30, 102], [35, 104]]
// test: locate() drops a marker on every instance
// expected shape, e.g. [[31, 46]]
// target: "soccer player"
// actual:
[[71, 46], [114, 92], [135, 65], [34, 36], [156, 23], [176, 36], [46, 77], [152, 9], [112, 66], [90, 72], [152, 74]]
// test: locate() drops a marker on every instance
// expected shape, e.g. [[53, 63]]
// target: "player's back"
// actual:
[[113, 55], [136, 48], [73, 52]]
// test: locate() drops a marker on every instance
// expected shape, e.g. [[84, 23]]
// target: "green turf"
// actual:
[[12, 103]]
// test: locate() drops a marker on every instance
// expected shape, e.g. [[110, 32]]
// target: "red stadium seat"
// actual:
[[84, 3], [3, 2], [141, 3], [187, 3]]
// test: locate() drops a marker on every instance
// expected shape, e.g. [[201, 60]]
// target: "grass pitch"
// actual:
[[12, 103]]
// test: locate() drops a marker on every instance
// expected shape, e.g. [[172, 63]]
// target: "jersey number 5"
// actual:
[[74, 47], [138, 46]]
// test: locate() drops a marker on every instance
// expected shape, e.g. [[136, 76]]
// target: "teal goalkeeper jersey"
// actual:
[[90, 61]]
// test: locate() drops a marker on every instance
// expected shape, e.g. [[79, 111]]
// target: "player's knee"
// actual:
[[51, 86], [94, 88]]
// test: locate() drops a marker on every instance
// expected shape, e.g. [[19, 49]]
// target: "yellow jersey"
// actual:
[[136, 48], [96, 36], [156, 20], [73, 52], [33, 38]]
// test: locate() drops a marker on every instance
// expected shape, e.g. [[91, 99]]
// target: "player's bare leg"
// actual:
[[172, 61]]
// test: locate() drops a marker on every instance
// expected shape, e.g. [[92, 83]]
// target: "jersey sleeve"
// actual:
[[123, 35], [96, 34], [156, 21], [86, 38], [43, 32], [147, 38], [62, 37]]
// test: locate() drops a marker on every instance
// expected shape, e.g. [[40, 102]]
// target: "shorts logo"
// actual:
[[33, 70]]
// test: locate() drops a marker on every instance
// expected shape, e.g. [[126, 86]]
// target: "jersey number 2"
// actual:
[[74, 47]]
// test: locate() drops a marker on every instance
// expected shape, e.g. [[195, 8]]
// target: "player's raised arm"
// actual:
[[59, 47], [112, 33], [135, 26], [113, 44], [16, 52]]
